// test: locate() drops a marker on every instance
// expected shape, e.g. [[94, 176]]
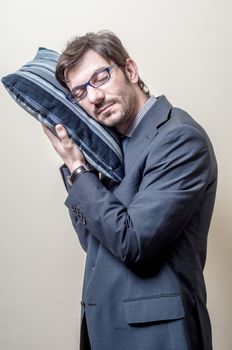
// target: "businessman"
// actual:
[[146, 237]]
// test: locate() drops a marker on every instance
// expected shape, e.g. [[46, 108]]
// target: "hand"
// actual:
[[64, 146]]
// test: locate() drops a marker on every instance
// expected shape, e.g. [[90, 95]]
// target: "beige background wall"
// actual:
[[184, 50]]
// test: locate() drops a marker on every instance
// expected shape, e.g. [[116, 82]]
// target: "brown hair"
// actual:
[[105, 43]]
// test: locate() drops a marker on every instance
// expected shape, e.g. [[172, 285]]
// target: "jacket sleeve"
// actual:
[[75, 216], [174, 180]]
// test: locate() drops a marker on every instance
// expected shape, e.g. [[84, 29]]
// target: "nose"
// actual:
[[95, 95]]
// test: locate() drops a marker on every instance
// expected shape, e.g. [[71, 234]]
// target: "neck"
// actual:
[[140, 102]]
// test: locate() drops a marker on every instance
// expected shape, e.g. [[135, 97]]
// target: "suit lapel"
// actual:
[[146, 130]]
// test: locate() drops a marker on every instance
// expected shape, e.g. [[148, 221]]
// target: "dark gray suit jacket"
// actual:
[[146, 238]]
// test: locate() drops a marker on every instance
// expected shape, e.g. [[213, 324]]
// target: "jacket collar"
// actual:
[[146, 130]]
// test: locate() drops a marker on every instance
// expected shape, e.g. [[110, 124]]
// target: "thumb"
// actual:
[[63, 136], [62, 133]]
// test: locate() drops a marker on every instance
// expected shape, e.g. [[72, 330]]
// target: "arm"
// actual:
[[72, 158], [75, 217], [174, 180]]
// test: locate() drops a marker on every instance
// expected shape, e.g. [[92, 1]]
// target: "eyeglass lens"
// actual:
[[98, 78]]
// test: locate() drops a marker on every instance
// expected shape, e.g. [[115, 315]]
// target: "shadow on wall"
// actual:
[[218, 280]]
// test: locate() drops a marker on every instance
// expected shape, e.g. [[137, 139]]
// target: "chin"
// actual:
[[111, 119]]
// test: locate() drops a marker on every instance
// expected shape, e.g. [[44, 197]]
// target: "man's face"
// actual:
[[116, 102]]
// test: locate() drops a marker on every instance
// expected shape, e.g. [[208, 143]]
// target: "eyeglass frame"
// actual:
[[74, 100]]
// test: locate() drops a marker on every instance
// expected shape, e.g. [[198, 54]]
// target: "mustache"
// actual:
[[101, 105]]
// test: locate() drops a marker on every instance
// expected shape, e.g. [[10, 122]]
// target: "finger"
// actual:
[[62, 133], [52, 137], [56, 143], [45, 128]]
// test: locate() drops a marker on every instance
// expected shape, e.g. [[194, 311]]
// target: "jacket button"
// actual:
[[83, 220]]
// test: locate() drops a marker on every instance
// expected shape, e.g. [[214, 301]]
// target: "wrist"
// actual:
[[83, 168], [75, 165]]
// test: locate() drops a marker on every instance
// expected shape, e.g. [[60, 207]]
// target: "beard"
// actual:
[[122, 110]]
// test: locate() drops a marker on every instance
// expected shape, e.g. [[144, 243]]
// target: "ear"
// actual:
[[131, 71]]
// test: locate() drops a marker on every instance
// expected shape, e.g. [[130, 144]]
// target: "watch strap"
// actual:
[[78, 171]]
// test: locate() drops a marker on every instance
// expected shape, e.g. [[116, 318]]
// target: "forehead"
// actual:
[[81, 72]]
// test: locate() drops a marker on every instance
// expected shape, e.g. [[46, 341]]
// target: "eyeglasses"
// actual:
[[99, 78]]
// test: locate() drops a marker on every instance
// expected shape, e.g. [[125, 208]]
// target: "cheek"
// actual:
[[120, 93], [126, 96], [117, 88], [87, 106]]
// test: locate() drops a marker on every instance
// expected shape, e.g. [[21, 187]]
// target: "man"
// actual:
[[146, 237]]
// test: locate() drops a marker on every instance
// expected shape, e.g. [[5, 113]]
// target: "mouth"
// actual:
[[105, 108]]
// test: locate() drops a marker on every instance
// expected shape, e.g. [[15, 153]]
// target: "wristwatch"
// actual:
[[78, 171]]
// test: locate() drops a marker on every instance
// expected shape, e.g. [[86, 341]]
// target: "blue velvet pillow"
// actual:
[[35, 88]]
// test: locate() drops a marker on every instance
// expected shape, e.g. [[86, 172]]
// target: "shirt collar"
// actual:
[[148, 104]]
